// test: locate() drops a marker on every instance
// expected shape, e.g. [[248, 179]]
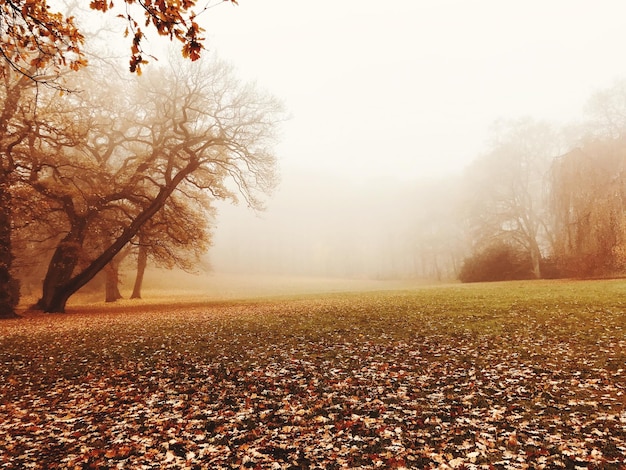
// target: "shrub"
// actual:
[[498, 262]]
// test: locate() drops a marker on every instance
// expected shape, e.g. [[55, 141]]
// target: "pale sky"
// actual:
[[409, 88], [386, 94]]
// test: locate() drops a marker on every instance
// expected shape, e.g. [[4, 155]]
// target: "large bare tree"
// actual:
[[38, 44], [181, 131]]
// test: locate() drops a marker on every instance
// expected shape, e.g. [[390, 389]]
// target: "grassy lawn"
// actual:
[[503, 375]]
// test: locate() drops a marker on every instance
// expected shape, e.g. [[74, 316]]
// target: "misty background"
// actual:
[[421, 142], [389, 105]]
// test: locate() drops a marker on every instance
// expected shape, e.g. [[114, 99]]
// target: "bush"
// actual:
[[499, 262]]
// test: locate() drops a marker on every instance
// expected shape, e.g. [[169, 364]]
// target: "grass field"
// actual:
[[503, 375]]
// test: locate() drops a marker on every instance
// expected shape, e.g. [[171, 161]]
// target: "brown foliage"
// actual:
[[111, 169], [34, 37], [372, 381]]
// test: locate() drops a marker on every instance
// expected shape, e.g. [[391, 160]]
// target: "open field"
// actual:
[[507, 375]]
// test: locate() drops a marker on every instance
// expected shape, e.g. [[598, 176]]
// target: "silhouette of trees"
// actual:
[[37, 45]]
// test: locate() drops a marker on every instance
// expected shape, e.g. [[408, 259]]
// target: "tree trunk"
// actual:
[[112, 283], [60, 292], [9, 286], [142, 262], [535, 258], [61, 267]]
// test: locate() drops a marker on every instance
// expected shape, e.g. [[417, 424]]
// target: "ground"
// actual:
[[504, 375]]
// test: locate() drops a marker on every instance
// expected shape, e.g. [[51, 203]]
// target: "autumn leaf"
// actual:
[[295, 383], [37, 37]]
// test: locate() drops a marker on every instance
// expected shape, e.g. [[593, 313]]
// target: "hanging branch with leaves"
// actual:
[[32, 37]]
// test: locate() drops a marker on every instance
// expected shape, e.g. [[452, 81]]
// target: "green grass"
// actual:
[[539, 361], [586, 312]]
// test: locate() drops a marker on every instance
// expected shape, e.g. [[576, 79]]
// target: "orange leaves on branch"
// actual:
[[100, 5], [191, 50], [192, 46], [34, 37], [135, 63], [172, 18], [136, 40]]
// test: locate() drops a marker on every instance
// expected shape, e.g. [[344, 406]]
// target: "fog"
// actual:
[[409, 138], [389, 104], [318, 224], [410, 89]]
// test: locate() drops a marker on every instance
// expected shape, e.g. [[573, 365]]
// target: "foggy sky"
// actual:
[[384, 92], [411, 87]]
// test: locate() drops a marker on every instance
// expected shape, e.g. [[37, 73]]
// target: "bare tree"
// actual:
[[506, 189], [188, 131], [606, 112]]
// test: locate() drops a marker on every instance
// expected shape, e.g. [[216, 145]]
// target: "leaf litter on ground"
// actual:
[[510, 375]]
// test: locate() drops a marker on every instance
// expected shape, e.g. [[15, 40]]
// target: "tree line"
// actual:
[[541, 201]]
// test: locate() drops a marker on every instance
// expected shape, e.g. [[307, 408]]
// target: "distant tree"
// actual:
[[606, 112], [39, 43], [179, 133], [589, 206], [112, 280], [437, 235], [142, 264], [506, 190]]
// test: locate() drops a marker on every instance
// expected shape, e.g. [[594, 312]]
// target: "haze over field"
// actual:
[[449, 141], [384, 97]]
